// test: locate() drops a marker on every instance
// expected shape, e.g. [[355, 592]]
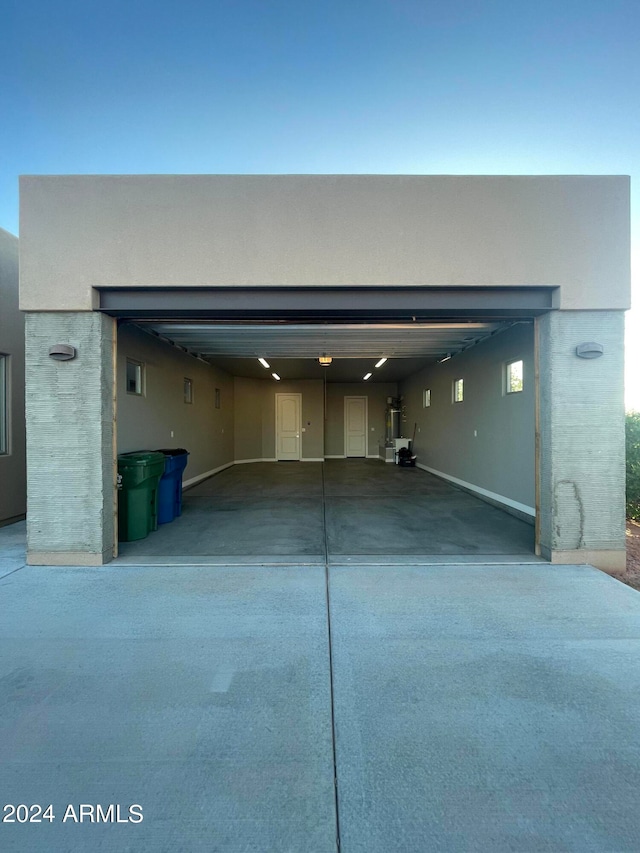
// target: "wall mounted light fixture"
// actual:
[[62, 352], [589, 350]]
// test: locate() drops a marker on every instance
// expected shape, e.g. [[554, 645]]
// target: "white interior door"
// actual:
[[288, 407], [355, 426]]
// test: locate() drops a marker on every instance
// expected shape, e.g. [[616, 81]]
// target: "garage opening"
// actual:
[[294, 416]]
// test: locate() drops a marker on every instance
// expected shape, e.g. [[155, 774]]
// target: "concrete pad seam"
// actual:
[[13, 571], [330, 651], [393, 563], [206, 561]]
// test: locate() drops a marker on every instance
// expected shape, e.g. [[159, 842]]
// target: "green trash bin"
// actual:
[[138, 478]]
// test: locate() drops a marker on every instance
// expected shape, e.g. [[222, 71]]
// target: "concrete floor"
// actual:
[[494, 708], [353, 508]]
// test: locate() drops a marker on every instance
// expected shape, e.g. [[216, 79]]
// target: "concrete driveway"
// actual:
[[462, 707]]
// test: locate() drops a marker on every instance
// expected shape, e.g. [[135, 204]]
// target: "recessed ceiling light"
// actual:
[[381, 362], [275, 376], [264, 363], [446, 358], [367, 376]]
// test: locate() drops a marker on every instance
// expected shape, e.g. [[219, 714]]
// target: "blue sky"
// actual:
[[368, 86]]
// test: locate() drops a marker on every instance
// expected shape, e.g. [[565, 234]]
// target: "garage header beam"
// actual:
[[292, 304]]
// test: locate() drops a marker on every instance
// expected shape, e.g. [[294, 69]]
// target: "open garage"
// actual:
[[337, 488], [477, 297]]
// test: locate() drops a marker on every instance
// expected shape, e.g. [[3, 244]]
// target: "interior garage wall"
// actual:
[[248, 404], [376, 393], [500, 458], [145, 422], [255, 417], [13, 472]]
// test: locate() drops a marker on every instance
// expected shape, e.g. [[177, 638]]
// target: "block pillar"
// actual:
[[581, 439], [70, 419]]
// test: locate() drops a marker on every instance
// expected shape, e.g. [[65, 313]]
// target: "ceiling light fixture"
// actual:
[[381, 362], [367, 376], [325, 360], [275, 376], [446, 358], [264, 363]]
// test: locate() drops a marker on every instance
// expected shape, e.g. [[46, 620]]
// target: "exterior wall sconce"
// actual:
[[62, 352], [589, 350], [325, 360]]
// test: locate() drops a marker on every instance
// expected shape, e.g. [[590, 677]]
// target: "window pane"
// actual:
[[458, 391], [188, 390], [426, 400], [134, 377], [515, 376]]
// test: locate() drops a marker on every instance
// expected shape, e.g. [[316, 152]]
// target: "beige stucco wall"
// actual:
[[81, 232], [145, 422], [376, 393], [255, 417], [13, 475]]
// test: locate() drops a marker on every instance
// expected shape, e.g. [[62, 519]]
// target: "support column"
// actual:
[[582, 453], [70, 417]]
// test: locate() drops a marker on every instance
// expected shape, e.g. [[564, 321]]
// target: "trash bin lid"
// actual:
[[174, 451], [139, 457]]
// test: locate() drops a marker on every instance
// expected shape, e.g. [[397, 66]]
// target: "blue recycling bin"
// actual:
[[170, 488]]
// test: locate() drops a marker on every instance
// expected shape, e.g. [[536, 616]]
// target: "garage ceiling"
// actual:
[[292, 349]]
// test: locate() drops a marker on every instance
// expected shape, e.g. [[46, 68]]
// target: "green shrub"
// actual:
[[633, 464]]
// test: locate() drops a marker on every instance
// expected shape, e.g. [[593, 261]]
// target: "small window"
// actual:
[[217, 398], [514, 377], [135, 377], [426, 398], [4, 404], [188, 390], [458, 390]]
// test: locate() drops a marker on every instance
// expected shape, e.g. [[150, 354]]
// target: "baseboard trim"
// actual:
[[312, 459], [194, 480], [528, 512], [12, 520], [249, 461]]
